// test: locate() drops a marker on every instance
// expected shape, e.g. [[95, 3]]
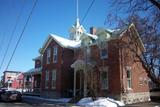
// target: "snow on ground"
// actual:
[[100, 102]]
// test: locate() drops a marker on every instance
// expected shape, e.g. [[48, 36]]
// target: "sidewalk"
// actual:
[[39, 100], [63, 100]]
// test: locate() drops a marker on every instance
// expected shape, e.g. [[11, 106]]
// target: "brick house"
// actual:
[[102, 59]]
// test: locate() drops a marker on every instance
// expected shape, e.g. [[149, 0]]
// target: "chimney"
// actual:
[[93, 30]]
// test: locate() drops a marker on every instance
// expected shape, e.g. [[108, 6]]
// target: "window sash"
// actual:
[[129, 83], [103, 53], [48, 56], [103, 50], [129, 79], [55, 54], [47, 79], [54, 79]]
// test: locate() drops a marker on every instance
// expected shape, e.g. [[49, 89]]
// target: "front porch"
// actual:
[[83, 73], [32, 81]]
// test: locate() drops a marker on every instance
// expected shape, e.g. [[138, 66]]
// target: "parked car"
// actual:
[[11, 95], [2, 91]]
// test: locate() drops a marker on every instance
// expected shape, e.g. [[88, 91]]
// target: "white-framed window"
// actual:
[[129, 78], [47, 79], [55, 54], [104, 77], [53, 79], [48, 56], [103, 50]]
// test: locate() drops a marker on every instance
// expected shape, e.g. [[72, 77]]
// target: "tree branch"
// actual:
[[155, 3]]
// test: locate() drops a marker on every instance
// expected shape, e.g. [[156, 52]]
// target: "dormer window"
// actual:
[[55, 54], [48, 56], [104, 50]]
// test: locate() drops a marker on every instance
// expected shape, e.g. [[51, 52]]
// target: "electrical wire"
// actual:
[[1, 43], [12, 35], [34, 5], [89, 8]]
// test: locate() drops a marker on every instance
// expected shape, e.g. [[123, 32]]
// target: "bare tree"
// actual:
[[151, 40], [145, 14], [148, 9]]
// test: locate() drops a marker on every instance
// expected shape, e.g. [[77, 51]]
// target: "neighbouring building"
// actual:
[[32, 78], [17, 82], [13, 79], [105, 60]]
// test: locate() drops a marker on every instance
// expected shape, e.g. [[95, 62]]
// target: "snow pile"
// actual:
[[100, 102]]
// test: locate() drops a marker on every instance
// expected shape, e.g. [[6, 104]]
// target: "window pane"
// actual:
[[129, 83], [55, 54], [53, 78], [128, 74], [48, 52], [129, 78], [48, 55], [103, 53]]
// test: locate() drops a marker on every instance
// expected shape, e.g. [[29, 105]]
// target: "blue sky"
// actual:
[[50, 16]]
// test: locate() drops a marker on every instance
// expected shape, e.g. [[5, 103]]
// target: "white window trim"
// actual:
[[104, 69], [54, 79], [105, 47], [48, 56], [129, 79], [55, 53]]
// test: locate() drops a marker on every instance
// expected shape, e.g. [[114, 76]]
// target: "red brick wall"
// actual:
[[64, 78], [139, 75], [52, 66], [112, 62]]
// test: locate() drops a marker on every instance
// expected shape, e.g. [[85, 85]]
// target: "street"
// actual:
[[35, 102], [14, 104], [31, 102], [23, 104]]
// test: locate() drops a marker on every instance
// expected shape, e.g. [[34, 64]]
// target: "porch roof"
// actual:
[[79, 64], [34, 71]]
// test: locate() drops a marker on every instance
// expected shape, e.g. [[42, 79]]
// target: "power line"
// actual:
[[1, 43], [87, 11], [34, 5], [12, 34]]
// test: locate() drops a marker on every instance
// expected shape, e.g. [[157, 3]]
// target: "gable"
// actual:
[[64, 43], [132, 29]]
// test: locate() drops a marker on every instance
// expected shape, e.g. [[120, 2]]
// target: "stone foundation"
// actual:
[[131, 98]]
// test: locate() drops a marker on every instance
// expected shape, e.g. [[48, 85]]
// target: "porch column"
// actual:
[[85, 82], [74, 89]]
